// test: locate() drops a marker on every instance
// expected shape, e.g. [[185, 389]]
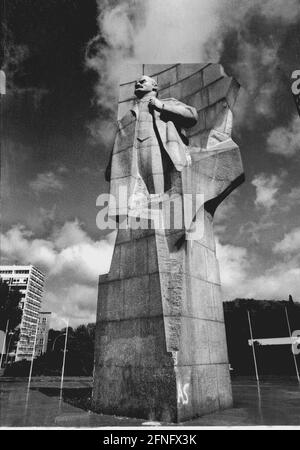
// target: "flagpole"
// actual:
[[31, 366], [253, 349], [7, 352], [63, 365], [290, 332], [2, 93], [33, 354], [4, 344]]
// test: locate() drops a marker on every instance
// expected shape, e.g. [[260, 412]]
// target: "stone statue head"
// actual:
[[145, 85]]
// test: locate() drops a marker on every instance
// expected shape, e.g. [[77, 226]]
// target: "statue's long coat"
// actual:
[[168, 127]]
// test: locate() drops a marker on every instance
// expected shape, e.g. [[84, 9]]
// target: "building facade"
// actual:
[[42, 333], [30, 282]]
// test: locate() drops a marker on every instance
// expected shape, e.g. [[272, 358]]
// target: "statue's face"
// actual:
[[144, 85]]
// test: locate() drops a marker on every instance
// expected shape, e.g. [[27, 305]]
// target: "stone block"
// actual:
[[136, 297], [193, 330], [213, 270], [167, 77], [152, 255], [185, 70], [164, 93], [107, 388], [228, 165], [200, 169], [218, 303], [124, 235], [185, 392], [197, 391], [114, 272], [199, 100], [191, 85], [112, 348], [176, 91], [111, 301], [222, 127], [143, 394], [103, 278], [219, 89], [224, 386], [213, 112], [206, 378], [208, 239], [212, 73], [199, 302], [132, 342], [134, 260], [196, 260], [217, 343], [157, 69], [198, 141], [140, 227], [102, 301], [155, 300], [232, 94], [200, 125]]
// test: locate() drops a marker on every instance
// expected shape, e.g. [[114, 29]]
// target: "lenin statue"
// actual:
[[160, 346]]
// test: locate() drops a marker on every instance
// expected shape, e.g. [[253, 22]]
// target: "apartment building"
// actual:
[[30, 282]]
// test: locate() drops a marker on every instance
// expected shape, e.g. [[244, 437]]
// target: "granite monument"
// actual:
[[160, 350]]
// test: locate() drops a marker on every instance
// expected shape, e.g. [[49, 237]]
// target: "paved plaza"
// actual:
[[276, 402]]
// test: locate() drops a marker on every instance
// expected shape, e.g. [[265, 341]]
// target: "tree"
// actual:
[[9, 307], [80, 349], [52, 336], [80, 356]]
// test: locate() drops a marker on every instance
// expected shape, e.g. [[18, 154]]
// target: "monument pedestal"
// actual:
[[160, 351]]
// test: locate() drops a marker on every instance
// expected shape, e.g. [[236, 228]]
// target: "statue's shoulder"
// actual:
[[170, 99]]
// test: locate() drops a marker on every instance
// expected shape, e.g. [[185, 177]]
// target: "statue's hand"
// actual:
[[154, 103]]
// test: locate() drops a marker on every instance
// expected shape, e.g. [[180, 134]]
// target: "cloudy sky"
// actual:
[[61, 58]]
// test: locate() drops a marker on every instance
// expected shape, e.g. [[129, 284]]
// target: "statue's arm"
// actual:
[[178, 112], [108, 168]]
